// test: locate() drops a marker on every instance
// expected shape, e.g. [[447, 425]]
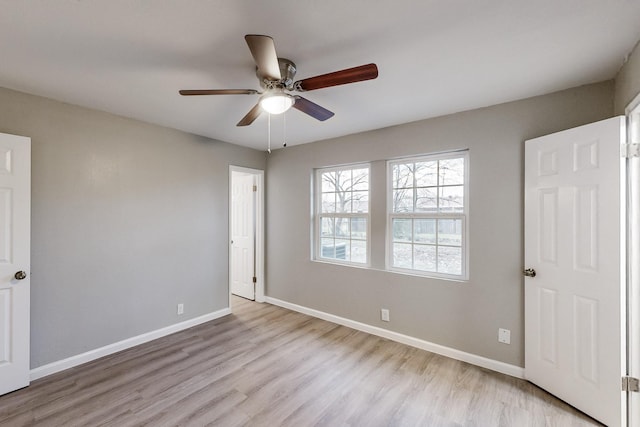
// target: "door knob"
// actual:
[[20, 275], [530, 272]]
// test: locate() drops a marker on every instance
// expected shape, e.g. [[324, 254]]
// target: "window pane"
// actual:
[[403, 176], [358, 251], [359, 228], [426, 200], [402, 255], [424, 231], [449, 260], [328, 181], [450, 232], [401, 230], [403, 200], [327, 248], [452, 199], [343, 202], [426, 174], [451, 172], [342, 227], [360, 201], [328, 202], [424, 258], [327, 227], [360, 180], [343, 249]]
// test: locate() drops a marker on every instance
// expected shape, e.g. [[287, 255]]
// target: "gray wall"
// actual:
[[128, 219], [628, 81], [464, 316]]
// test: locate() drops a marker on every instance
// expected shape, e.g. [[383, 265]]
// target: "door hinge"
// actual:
[[630, 150], [255, 188], [255, 279], [630, 384]]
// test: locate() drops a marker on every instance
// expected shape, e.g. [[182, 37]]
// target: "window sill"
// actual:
[[399, 272]]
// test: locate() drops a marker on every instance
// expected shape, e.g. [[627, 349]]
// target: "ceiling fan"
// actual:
[[276, 79]]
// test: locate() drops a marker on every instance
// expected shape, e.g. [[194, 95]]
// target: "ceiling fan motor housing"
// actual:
[[287, 73]]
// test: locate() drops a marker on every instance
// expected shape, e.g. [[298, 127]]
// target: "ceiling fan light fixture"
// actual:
[[276, 103]]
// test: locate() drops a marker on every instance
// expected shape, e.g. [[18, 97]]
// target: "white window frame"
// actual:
[[318, 215], [464, 216]]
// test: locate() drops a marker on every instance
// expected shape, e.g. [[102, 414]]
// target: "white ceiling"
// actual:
[[130, 57]]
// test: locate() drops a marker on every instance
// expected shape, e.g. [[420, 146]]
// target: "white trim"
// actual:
[[259, 182], [483, 362], [79, 359], [632, 105], [631, 322]]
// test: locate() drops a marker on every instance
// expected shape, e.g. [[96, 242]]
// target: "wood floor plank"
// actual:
[[268, 366]]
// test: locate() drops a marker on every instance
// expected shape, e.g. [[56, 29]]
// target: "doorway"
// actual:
[[246, 233]]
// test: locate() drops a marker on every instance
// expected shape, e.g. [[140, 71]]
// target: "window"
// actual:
[[428, 215], [342, 214]]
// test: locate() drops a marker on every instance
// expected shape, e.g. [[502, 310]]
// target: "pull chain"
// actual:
[[269, 132], [284, 129]]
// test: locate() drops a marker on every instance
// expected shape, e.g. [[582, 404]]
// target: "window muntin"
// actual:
[[342, 214], [427, 218]]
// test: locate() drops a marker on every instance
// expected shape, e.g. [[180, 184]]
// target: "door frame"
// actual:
[[259, 229], [632, 323]]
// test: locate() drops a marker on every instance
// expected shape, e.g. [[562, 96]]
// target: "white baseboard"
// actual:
[[70, 362], [494, 365]]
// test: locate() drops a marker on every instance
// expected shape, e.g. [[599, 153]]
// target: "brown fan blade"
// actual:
[[218, 92], [251, 116], [350, 75], [264, 54], [312, 109]]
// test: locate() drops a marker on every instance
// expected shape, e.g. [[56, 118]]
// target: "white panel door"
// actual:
[[573, 305], [242, 235], [15, 220]]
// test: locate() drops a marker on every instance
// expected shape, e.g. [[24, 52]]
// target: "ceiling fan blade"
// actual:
[[251, 116], [264, 54], [218, 92], [312, 109], [350, 75]]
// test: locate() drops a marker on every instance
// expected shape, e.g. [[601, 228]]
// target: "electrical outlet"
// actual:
[[384, 314], [180, 309], [504, 336]]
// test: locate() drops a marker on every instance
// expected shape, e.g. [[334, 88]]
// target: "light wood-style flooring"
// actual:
[[268, 366]]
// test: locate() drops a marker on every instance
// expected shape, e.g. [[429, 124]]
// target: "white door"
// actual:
[[243, 226], [15, 221], [573, 229]]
